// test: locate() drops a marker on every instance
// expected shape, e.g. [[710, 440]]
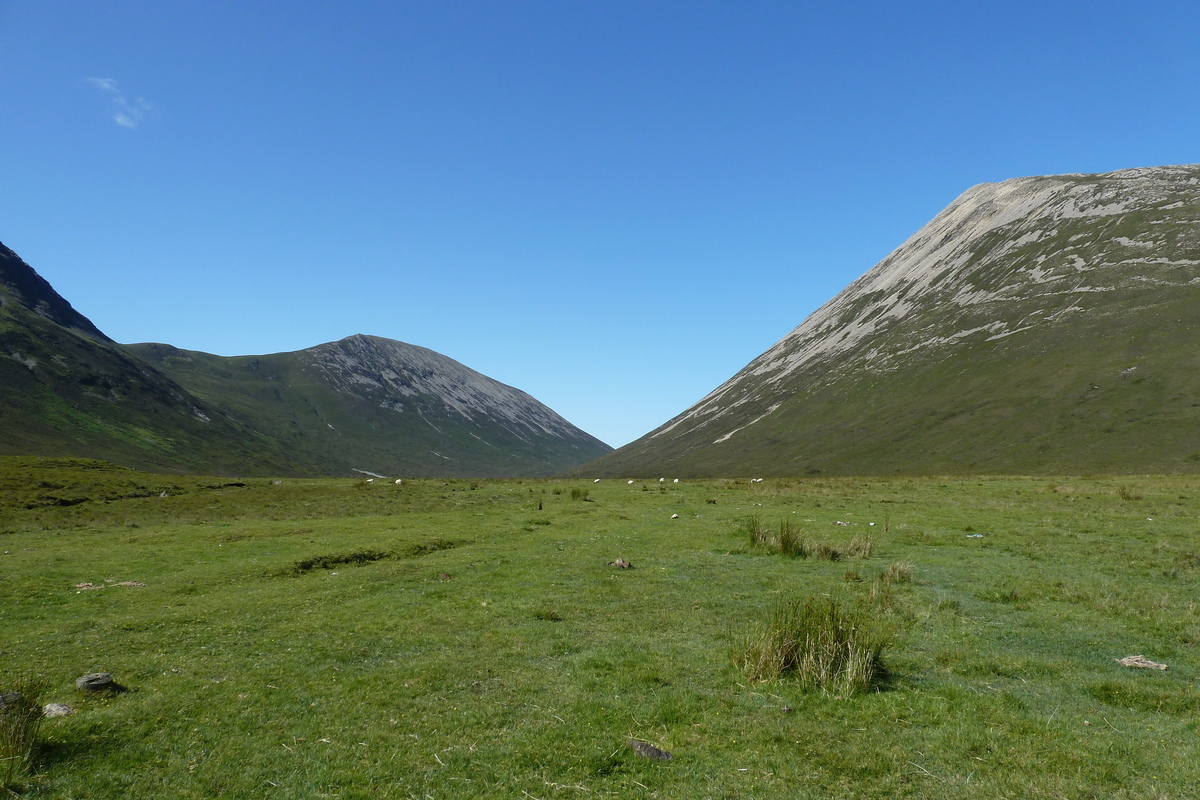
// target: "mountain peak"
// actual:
[[1029, 283]]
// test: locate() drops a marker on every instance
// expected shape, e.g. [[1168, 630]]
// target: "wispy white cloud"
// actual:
[[128, 112]]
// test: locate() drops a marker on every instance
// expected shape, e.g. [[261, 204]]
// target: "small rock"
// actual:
[[57, 710], [649, 751], [787, 709], [94, 681], [674, 516], [621, 563]]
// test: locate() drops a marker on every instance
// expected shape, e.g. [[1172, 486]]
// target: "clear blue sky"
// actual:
[[611, 205]]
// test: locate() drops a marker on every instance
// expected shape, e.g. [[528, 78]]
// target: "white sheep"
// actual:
[[399, 481]]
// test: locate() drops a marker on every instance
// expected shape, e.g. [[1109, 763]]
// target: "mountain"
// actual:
[[371, 404], [1038, 325], [67, 389], [363, 404]]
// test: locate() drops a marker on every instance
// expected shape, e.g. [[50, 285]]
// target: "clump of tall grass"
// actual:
[[880, 594], [579, 494], [861, 546], [897, 572], [827, 646], [20, 718], [787, 539]]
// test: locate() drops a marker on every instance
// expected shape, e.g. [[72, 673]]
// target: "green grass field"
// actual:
[[458, 639]]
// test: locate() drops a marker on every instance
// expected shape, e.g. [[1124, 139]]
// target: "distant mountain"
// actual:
[[374, 404], [1039, 325], [363, 404]]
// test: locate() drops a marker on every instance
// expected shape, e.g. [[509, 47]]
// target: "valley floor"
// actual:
[[459, 639]]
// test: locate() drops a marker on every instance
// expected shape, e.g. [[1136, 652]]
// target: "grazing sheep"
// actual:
[[399, 481], [675, 481], [596, 481]]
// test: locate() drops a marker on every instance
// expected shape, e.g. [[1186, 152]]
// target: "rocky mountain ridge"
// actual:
[[402, 377]]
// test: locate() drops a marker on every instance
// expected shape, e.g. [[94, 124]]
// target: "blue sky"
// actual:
[[611, 205]]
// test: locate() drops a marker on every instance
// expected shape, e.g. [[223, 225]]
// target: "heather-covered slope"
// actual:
[[1036, 325]]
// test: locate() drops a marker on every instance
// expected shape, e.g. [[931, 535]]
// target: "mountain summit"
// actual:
[[1047, 324]]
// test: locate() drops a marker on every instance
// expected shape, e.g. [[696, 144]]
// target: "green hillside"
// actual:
[[67, 389]]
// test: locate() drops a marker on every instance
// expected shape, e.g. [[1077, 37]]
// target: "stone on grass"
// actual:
[[646, 750], [95, 682], [57, 710]]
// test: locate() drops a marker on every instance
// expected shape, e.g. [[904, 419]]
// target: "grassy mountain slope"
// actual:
[[367, 403], [1036, 325], [67, 389]]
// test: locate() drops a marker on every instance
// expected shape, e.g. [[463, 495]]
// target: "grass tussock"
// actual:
[[20, 718], [789, 540], [897, 572], [827, 646]]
